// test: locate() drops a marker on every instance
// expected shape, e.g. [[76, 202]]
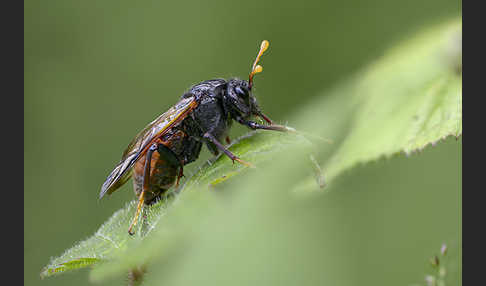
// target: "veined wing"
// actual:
[[139, 145]]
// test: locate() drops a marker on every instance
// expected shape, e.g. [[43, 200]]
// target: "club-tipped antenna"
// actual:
[[257, 68]]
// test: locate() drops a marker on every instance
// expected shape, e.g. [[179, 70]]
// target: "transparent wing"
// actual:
[[123, 170]]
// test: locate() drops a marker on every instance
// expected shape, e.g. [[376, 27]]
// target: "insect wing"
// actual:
[[123, 170]]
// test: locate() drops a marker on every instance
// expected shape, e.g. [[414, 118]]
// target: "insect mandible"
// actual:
[[156, 156]]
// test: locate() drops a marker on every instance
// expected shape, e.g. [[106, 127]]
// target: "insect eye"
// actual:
[[240, 92]]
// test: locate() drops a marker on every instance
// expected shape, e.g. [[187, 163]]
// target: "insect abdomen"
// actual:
[[163, 174]]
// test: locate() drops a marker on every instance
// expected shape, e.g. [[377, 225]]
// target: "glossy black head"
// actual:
[[237, 96], [238, 99]]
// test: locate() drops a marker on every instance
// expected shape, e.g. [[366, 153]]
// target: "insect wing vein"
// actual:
[[138, 146]]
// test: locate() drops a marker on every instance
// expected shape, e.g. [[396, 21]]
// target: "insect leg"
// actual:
[[168, 155], [274, 127], [146, 182], [233, 157], [264, 117], [180, 175], [172, 159]]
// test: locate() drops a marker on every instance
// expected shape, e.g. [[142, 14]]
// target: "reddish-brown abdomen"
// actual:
[[162, 176]]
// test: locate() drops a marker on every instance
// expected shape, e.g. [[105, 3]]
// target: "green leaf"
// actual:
[[112, 239], [99, 247], [409, 98]]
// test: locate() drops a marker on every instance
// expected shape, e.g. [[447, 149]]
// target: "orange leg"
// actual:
[[146, 183], [181, 174]]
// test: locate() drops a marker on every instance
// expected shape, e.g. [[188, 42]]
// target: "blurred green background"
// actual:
[[97, 71]]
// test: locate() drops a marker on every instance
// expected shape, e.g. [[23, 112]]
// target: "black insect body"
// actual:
[[203, 115]]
